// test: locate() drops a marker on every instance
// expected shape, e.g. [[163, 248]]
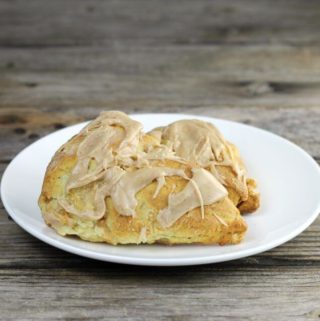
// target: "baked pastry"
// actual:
[[112, 183], [200, 142]]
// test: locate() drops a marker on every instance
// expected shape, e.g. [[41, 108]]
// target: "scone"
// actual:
[[112, 183], [200, 142]]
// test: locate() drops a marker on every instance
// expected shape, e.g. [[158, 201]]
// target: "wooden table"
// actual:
[[61, 62]]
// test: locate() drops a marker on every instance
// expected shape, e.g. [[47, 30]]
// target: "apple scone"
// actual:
[[178, 184]]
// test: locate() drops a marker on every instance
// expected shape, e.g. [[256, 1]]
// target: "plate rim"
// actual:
[[185, 261]]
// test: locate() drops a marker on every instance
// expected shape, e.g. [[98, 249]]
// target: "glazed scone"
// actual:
[[112, 183], [202, 143]]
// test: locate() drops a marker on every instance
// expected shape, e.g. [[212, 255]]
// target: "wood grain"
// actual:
[[20, 127], [160, 77], [113, 23], [124, 293], [62, 62]]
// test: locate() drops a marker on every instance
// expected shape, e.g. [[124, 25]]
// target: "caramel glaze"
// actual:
[[110, 154], [200, 142]]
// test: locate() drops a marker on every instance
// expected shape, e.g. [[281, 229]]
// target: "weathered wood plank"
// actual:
[[114, 292], [112, 23], [54, 90], [276, 63], [162, 76], [20, 127]]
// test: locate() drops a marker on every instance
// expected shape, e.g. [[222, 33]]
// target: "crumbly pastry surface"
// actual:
[[201, 143], [179, 184]]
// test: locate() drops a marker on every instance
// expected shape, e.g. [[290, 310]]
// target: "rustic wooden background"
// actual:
[[61, 62]]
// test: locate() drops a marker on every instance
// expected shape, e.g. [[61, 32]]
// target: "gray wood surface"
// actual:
[[61, 62]]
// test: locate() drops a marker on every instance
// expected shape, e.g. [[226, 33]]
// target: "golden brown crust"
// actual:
[[247, 200], [222, 223], [253, 201], [215, 154]]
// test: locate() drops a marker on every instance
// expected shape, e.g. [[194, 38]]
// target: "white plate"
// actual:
[[288, 179]]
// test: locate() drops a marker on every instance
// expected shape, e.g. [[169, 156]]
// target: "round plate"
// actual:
[[288, 180]]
